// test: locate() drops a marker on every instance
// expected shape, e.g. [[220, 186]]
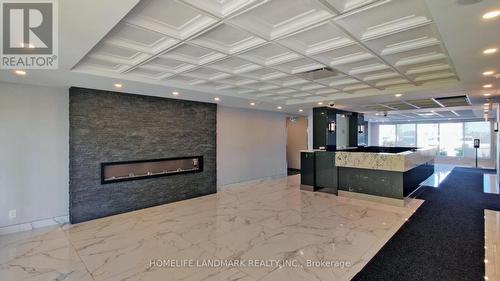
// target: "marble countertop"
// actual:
[[399, 162], [324, 150], [312, 150]]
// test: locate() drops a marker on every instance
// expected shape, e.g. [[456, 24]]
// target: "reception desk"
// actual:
[[387, 172]]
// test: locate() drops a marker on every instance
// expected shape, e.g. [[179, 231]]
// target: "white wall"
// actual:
[[250, 145], [33, 152], [296, 133]]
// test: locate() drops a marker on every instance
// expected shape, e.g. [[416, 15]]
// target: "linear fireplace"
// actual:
[[142, 169]]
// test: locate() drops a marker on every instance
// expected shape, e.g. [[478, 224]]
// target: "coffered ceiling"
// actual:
[[262, 54], [265, 51]]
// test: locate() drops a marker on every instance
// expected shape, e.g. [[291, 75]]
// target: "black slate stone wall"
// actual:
[[109, 126]]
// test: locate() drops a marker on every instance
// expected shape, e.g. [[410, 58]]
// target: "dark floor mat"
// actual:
[[444, 239]]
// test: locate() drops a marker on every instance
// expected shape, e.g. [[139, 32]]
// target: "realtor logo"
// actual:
[[29, 35]]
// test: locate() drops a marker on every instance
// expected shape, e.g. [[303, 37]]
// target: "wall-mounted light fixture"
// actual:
[[361, 129], [495, 126], [332, 126]]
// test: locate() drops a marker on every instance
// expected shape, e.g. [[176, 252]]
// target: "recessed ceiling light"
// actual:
[[252, 103], [175, 93], [490, 51], [300, 110], [279, 107], [489, 72], [491, 14], [117, 85], [398, 95], [216, 99], [487, 94], [487, 86], [320, 103], [20, 72]]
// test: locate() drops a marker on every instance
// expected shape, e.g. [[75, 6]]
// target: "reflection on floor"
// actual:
[[492, 245], [284, 231], [441, 171], [490, 183]]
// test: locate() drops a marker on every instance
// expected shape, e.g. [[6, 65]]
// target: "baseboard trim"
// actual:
[[373, 198], [62, 220], [244, 183]]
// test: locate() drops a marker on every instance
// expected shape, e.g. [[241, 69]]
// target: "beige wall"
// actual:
[[296, 141], [34, 149], [251, 144]]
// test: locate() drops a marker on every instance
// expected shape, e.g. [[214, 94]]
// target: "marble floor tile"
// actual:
[[492, 245], [490, 184], [41, 254], [263, 230]]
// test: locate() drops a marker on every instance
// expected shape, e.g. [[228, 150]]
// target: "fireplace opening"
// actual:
[[142, 169]]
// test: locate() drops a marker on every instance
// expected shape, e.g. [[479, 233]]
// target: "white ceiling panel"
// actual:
[[180, 79], [147, 73], [222, 8], [207, 73], [234, 65], [349, 54], [168, 64], [138, 38], [119, 55], [194, 54], [317, 39], [289, 80], [228, 39], [384, 18], [237, 81], [170, 17], [299, 65], [348, 5], [270, 54], [261, 86], [98, 65], [264, 74], [277, 18], [277, 50]]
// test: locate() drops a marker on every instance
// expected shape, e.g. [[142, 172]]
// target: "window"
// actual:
[[405, 135], [427, 135], [451, 139], [387, 135], [481, 131]]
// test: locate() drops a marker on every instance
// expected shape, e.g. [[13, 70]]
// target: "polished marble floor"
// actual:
[[441, 171], [492, 245], [490, 184], [275, 231]]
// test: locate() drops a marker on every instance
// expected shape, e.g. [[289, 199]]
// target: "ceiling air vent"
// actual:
[[453, 101], [317, 74]]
